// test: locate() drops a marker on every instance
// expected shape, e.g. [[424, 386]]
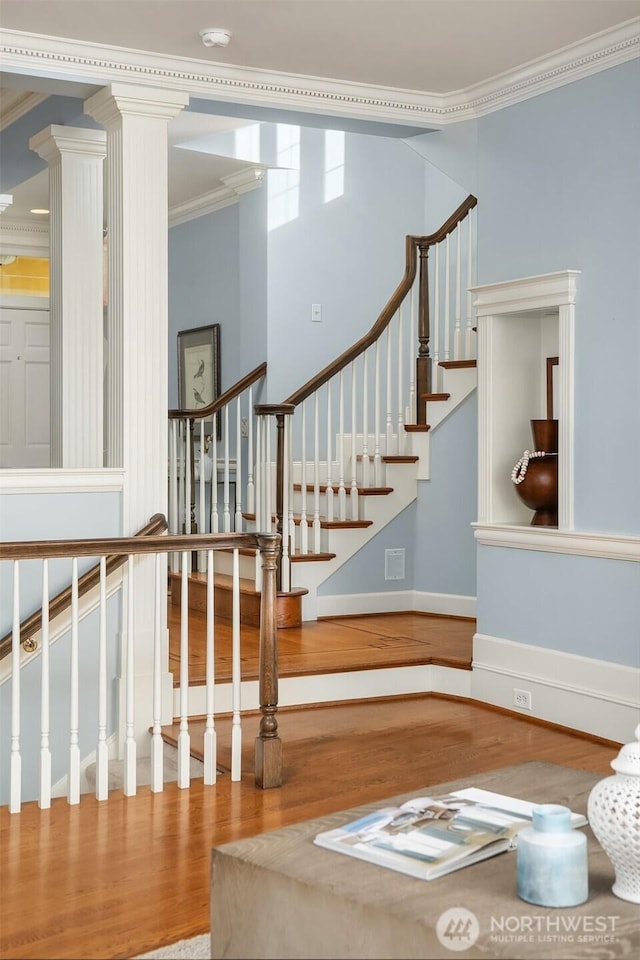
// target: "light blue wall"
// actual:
[[347, 255], [364, 573], [583, 605], [204, 288], [559, 187], [445, 550], [252, 210]]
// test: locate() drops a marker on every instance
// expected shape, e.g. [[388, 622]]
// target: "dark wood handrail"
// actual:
[[123, 546], [86, 582], [203, 412], [448, 225], [412, 243]]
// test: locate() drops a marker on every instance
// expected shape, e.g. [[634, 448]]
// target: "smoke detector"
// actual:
[[215, 37]]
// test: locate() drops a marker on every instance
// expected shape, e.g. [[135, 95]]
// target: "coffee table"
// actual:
[[279, 896]]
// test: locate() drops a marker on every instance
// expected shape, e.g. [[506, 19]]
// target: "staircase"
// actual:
[[340, 458]]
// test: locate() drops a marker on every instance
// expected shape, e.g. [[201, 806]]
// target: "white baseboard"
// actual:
[[396, 601], [590, 695], [352, 685]]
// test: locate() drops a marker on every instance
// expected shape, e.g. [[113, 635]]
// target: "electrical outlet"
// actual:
[[522, 699]]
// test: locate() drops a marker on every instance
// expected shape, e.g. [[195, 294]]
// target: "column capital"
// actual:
[[55, 140], [6, 199], [124, 99]]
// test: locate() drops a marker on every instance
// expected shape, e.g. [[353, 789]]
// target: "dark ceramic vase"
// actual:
[[539, 489]]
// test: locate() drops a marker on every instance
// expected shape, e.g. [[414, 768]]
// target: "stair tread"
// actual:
[[417, 427], [247, 586], [324, 523], [435, 396], [399, 459], [457, 364], [298, 557], [362, 491]]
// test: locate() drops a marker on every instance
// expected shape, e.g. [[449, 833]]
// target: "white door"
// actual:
[[24, 382]]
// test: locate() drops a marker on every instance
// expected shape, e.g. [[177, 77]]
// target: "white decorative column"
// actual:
[[136, 119], [75, 157]]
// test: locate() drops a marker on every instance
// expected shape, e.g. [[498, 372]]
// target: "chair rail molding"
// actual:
[[512, 316]]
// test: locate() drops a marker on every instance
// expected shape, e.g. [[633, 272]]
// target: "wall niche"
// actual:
[[521, 324]]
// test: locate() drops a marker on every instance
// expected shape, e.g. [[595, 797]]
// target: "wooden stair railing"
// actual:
[[410, 413], [268, 747], [62, 601], [207, 427]]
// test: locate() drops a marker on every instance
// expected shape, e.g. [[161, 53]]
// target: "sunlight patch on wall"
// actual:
[[333, 164], [284, 184], [247, 143], [25, 276]]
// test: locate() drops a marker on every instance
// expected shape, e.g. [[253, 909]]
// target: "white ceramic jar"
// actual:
[[614, 816]]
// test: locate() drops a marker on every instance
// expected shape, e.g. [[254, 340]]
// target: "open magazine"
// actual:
[[427, 837]]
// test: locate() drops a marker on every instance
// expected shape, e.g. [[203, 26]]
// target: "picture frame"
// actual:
[[198, 366]]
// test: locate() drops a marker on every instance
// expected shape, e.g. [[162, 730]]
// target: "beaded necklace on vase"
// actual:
[[519, 472]]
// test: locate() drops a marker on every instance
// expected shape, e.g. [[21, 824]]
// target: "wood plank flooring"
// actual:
[[331, 646], [118, 878]]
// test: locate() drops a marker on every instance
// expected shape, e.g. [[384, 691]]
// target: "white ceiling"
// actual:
[[434, 46], [428, 45]]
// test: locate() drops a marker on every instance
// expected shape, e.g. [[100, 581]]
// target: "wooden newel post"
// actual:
[[268, 760], [280, 411], [423, 361]]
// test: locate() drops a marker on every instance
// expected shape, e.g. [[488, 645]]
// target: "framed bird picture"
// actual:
[[198, 367]]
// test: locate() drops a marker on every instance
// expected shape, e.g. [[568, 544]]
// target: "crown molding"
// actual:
[[14, 104], [234, 186], [24, 237], [81, 61]]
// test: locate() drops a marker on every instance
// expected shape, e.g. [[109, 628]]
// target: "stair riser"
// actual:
[[288, 607]]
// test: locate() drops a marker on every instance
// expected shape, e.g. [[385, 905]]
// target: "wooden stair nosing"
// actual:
[[362, 491], [298, 557], [457, 364], [417, 427], [431, 397], [397, 458], [288, 604], [324, 523]]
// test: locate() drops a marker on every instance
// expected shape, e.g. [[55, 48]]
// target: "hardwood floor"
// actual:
[[118, 878]]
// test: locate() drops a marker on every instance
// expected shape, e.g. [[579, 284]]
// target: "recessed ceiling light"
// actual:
[[40, 211], [215, 37]]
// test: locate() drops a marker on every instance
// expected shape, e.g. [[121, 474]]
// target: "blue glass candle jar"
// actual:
[[552, 859]]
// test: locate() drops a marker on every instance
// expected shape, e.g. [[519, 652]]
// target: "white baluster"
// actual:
[[174, 523], [400, 386], [102, 750], [187, 487], [354, 432], [342, 495], [250, 480], [329, 487], [447, 302], [44, 801], [210, 736], [157, 746], [389, 449], [73, 785], [365, 419], [226, 515], [289, 446], [260, 484], [202, 517], [215, 520], [129, 785], [237, 523], [184, 738], [469, 351], [377, 460], [435, 355], [16, 758], [316, 476], [268, 505], [287, 520], [411, 408], [304, 526], [236, 678], [457, 335]]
